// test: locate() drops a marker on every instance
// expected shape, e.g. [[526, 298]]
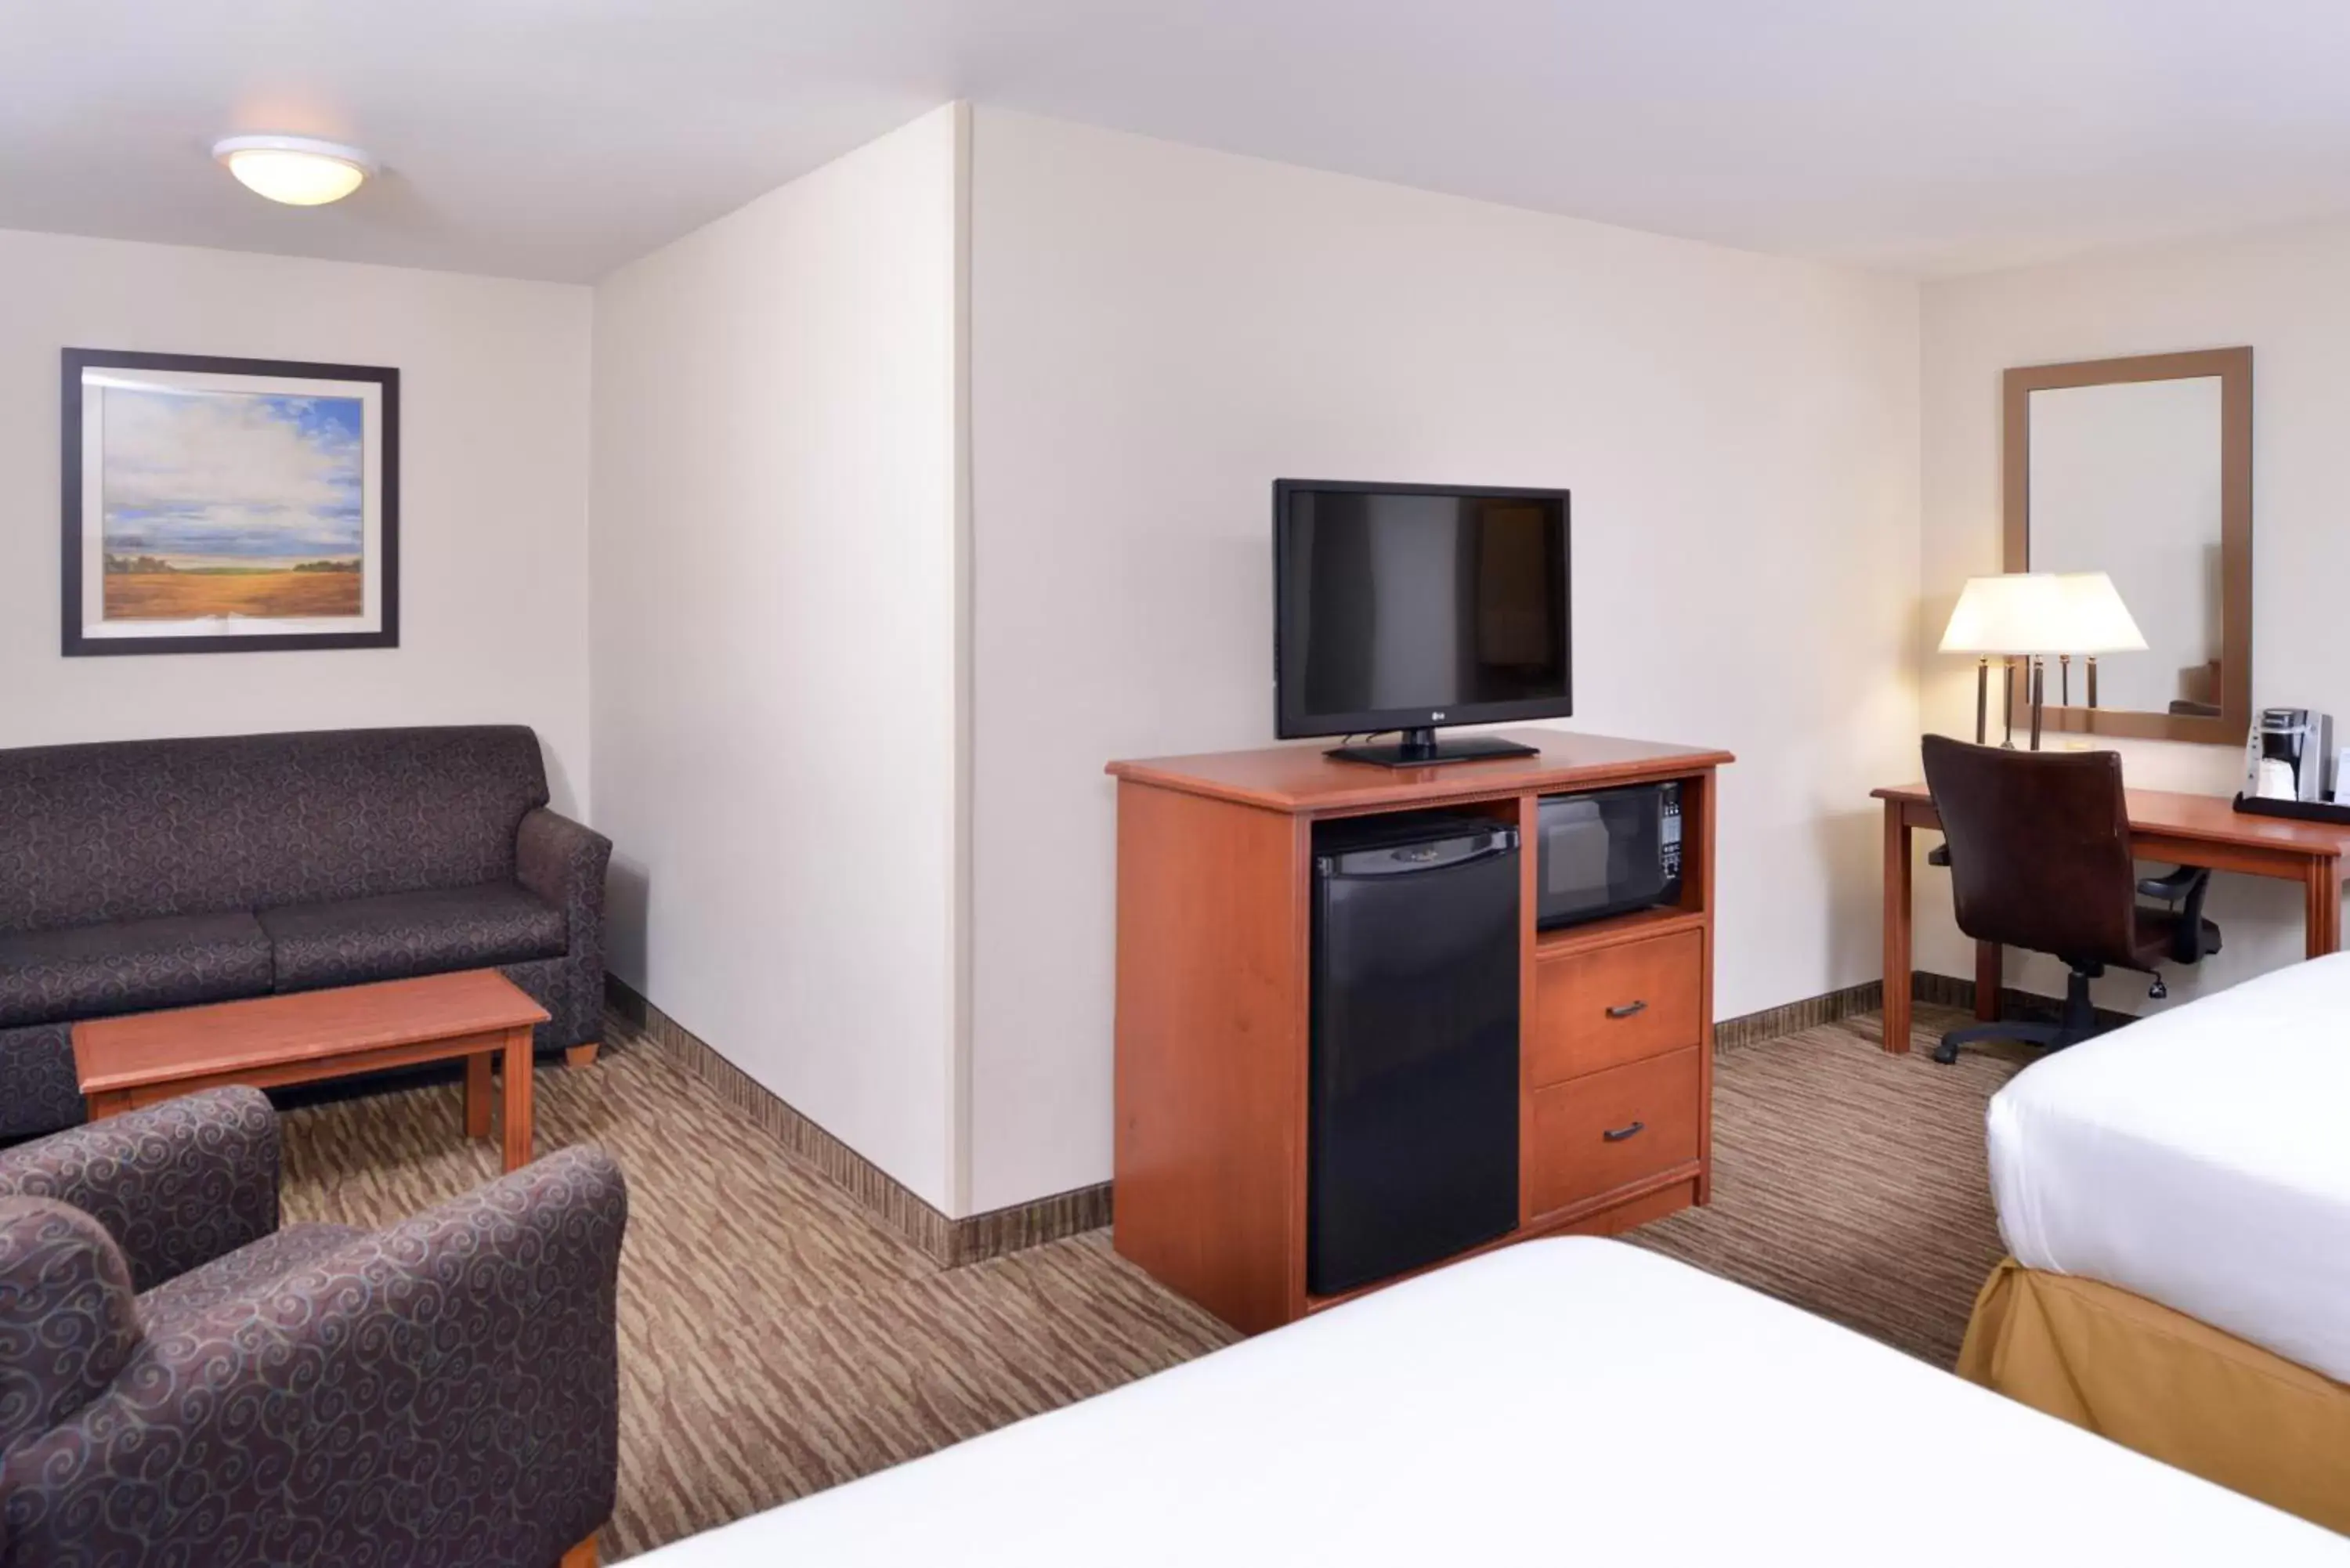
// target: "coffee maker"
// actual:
[[2287, 754]]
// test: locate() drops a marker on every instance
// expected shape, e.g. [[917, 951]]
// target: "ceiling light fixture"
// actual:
[[295, 170]]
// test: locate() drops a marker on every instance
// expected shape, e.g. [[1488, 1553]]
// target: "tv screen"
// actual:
[[1407, 606]]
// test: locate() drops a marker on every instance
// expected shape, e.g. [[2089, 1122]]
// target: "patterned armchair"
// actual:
[[182, 1382]]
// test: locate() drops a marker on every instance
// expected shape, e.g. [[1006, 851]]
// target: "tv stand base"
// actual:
[[1420, 748]]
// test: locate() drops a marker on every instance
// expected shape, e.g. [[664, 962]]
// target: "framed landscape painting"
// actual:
[[228, 506]]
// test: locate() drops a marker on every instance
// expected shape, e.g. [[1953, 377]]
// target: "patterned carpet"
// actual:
[[1853, 1183], [775, 1342]]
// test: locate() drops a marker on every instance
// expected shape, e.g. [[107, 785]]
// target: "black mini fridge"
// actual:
[[1412, 1124]]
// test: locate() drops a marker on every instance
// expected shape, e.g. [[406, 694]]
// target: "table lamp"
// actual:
[[2096, 622], [2032, 614]]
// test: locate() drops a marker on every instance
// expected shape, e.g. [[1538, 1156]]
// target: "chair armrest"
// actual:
[[68, 1322], [2173, 886], [446, 1391], [176, 1185]]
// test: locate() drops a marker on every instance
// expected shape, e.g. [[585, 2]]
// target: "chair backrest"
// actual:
[[2040, 847], [127, 830], [68, 1322]]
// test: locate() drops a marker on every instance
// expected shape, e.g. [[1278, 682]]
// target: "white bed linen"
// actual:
[[2200, 1159], [1573, 1401]]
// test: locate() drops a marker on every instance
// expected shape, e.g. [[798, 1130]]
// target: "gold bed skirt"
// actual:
[[2166, 1385]]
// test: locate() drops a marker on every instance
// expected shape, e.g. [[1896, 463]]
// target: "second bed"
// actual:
[[2176, 1197]]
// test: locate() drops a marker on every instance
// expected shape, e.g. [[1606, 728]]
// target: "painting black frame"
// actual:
[[74, 644]]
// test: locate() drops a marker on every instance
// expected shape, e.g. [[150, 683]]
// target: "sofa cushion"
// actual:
[[131, 966], [400, 934]]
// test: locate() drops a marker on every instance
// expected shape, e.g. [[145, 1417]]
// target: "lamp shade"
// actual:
[[2041, 612], [2095, 619], [2009, 614]]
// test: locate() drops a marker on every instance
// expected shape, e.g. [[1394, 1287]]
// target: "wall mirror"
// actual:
[[2142, 468]]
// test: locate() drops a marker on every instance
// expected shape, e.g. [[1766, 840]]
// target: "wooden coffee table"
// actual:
[[125, 1062]]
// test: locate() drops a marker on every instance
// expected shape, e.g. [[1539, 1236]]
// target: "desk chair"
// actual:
[[2039, 850]]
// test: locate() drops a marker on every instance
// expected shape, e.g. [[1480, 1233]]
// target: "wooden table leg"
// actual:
[[1987, 981], [2334, 907], [1895, 1033], [517, 1098], [477, 1094], [2323, 917]]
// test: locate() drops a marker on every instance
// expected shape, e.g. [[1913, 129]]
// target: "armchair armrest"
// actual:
[[446, 1391], [68, 1322], [176, 1185]]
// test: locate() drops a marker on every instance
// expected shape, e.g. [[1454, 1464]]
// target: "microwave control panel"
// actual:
[[1669, 831]]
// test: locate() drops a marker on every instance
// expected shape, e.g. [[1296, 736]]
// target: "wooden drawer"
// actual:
[[1607, 1006], [1633, 1212], [1594, 1134]]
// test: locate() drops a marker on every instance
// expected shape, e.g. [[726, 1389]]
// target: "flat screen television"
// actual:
[[1412, 607]]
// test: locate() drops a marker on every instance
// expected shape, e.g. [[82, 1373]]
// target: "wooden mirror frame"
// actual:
[[2233, 367]]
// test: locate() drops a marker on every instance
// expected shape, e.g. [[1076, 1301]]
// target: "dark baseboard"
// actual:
[[1936, 990], [1948, 991], [1001, 1230], [1793, 1017], [949, 1243]]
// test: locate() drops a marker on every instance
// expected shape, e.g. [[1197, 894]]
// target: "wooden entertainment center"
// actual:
[[1215, 867]]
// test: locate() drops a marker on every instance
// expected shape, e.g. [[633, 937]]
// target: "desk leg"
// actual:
[[1895, 1035], [477, 1094], [1987, 981], [2322, 919], [517, 1072]]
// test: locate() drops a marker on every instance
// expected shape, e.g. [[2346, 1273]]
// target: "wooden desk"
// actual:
[[2188, 829]]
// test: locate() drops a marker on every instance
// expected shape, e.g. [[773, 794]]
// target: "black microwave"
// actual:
[[1606, 852]]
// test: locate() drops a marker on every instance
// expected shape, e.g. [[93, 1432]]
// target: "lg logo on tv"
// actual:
[[1436, 717]]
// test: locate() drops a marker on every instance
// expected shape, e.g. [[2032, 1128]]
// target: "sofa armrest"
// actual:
[[446, 1391], [564, 863], [176, 1185]]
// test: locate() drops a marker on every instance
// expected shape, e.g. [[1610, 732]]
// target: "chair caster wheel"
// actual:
[[1947, 1052]]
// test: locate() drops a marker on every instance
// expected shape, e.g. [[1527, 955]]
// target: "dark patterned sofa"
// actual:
[[184, 1383], [137, 875]]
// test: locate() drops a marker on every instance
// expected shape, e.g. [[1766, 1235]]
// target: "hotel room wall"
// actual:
[[2280, 292], [776, 639], [493, 494], [1158, 332]]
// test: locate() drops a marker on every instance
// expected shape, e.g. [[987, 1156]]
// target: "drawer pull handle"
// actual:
[[1629, 1008], [1618, 1134]]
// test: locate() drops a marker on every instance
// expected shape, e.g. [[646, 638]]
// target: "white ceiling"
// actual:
[[557, 139]]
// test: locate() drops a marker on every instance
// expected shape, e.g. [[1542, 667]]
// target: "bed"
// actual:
[[2176, 1199], [1562, 1401]]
